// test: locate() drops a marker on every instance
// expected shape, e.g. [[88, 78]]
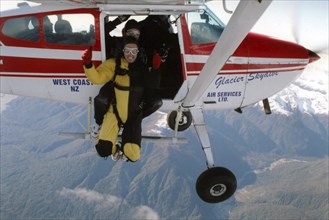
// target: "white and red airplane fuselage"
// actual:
[[260, 66]]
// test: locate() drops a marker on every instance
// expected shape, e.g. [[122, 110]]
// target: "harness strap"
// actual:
[[118, 71], [116, 113], [123, 88]]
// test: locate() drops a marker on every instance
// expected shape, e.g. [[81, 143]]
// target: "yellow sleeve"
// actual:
[[102, 74]]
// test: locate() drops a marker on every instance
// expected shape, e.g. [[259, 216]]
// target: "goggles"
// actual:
[[132, 51], [133, 33]]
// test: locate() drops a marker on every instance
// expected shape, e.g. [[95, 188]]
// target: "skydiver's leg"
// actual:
[[101, 106], [102, 102], [105, 146], [131, 137]]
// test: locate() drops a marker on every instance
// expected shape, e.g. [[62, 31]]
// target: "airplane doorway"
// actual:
[[171, 77]]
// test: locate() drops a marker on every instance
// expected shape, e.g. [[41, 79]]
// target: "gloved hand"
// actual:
[[156, 61], [87, 56]]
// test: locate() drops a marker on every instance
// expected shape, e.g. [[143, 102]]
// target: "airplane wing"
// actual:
[[144, 2], [127, 2], [244, 18], [132, 6]]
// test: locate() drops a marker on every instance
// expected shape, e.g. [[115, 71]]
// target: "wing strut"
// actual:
[[243, 19]]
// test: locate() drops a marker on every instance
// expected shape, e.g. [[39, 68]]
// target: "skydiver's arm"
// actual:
[[102, 74]]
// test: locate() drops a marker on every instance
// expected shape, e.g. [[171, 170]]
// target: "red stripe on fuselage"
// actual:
[[45, 75], [39, 65]]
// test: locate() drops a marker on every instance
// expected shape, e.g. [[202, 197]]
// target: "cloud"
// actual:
[[92, 197], [101, 202], [145, 212]]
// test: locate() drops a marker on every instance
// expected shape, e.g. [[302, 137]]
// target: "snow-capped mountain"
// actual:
[[280, 161], [309, 93]]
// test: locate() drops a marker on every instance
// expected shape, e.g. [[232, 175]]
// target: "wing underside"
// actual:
[[144, 2], [127, 2], [131, 6]]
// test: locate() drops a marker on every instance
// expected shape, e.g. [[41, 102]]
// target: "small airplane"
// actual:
[[213, 66]]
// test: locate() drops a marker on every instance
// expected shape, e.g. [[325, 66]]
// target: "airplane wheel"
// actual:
[[183, 124], [216, 185]]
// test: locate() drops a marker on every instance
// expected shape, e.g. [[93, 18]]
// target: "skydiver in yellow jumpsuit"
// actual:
[[127, 72]]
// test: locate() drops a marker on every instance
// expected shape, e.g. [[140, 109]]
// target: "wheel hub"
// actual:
[[218, 190], [183, 120]]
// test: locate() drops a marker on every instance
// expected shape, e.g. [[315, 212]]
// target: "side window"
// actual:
[[23, 28], [69, 29], [203, 28]]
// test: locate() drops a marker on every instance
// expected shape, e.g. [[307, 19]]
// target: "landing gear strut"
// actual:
[[216, 184]]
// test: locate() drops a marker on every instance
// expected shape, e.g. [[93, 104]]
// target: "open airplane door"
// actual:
[[217, 184]]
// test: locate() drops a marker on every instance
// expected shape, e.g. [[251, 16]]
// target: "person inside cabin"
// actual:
[[155, 33], [126, 74], [150, 104]]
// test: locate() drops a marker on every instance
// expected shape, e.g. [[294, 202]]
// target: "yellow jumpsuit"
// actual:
[[109, 130]]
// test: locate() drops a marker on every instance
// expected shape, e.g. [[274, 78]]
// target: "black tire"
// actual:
[[216, 185], [183, 124]]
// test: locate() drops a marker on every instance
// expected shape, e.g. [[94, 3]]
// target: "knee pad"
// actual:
[[104, 148], [132, 151]]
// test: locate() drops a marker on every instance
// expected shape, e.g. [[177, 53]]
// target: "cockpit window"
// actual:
[[69, 29], [203, 27], [23, 28]]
